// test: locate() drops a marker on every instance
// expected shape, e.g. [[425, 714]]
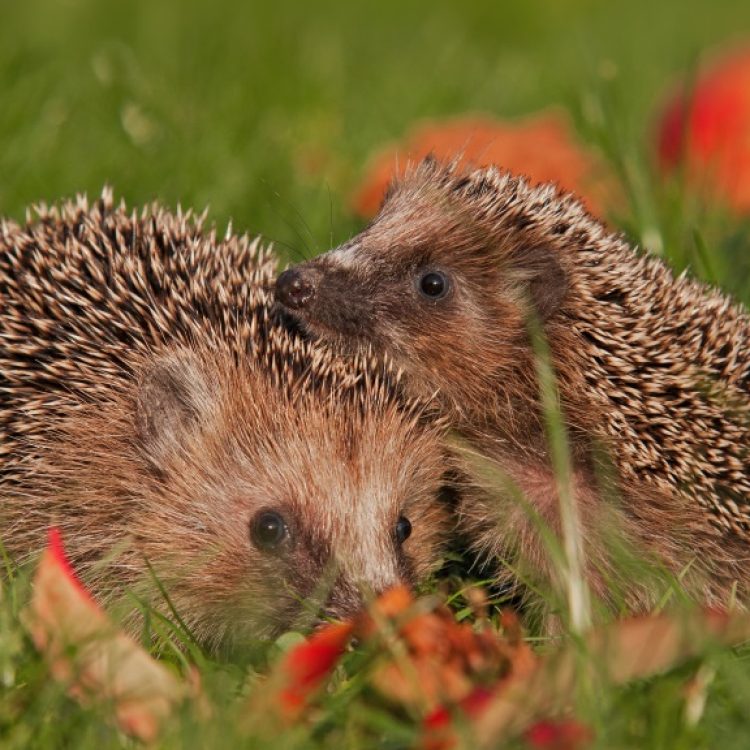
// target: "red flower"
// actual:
[[706, 130]]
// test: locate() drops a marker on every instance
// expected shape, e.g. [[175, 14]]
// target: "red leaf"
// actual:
[[56, 553], [558, 735], [304, 668]]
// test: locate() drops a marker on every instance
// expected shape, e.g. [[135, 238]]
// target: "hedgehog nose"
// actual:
[[293, 289]]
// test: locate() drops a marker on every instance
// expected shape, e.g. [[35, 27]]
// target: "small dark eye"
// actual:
[[403, 529], [433, 285], [268, 530]]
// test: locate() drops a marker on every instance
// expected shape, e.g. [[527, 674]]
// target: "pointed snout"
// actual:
[[295, 287], [327, 297]]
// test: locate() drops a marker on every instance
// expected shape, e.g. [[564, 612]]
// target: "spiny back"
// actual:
[[87, 290], [665, 360], [83, 288]]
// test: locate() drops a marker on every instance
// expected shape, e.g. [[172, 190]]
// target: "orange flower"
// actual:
[[541, 147], [706, 130], [440, 668], [445, 661]]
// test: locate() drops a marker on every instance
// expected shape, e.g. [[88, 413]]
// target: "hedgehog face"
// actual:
[[435, 282], [412, 303], [267, 510]]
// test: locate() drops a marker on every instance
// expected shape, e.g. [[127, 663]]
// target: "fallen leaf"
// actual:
[[620, 652], [305, 667], [88, 653], [457, 675], [542, 147]]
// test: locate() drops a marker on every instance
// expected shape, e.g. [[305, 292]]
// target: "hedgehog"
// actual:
[[452, 278], [155, 410]]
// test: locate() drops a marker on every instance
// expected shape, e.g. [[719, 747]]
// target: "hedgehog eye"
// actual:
[[433, 285], [268, 530], [403, 529]]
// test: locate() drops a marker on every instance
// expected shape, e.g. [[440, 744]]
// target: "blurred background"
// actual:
[[281, 116]]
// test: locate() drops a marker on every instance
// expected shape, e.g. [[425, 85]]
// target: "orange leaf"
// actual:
[[90, 655], [542, 147]]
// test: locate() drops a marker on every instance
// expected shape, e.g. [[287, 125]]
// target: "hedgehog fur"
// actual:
[[653, 370]]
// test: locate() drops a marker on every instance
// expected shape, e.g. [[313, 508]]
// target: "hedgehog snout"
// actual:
[[295, 287]]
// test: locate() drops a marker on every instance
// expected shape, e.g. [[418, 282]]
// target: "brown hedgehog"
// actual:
[[152, 407], [653, 371]]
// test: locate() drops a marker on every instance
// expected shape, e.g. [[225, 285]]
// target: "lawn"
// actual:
[[268, 114]]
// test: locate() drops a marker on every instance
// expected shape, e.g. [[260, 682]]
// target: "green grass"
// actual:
[[268, 114], [35, 711], [228, 104]]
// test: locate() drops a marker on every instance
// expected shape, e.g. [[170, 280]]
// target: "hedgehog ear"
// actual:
[[548, 284], [172, 400]]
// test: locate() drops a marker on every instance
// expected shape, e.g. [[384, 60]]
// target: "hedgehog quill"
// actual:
[[653, 371], [153, 408]]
